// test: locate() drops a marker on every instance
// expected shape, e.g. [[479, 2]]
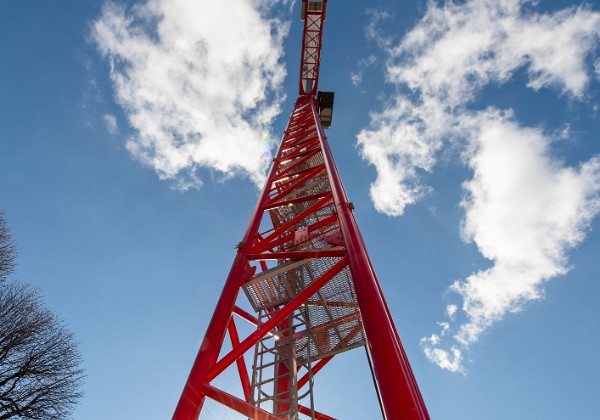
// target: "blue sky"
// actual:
[[466, 135]]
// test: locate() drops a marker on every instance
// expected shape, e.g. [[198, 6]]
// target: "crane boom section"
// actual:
[[313, 14]]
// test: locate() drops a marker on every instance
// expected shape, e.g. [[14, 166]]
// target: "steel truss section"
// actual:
[[313, 14], [303, 268], [304, 271]]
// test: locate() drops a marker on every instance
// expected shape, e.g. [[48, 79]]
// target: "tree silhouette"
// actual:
[[40, 374], [8, 252]]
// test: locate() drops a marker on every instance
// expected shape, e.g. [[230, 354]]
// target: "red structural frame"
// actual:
[[310, 60], [303, 141]]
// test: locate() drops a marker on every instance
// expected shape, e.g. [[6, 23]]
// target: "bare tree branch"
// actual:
[[8, 251], [40, 374]]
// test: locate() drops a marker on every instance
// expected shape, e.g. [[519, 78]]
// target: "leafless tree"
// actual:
[[40, 374], [8, 252]]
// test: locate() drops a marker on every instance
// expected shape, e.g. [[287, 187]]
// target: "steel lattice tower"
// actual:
[[305, 271]]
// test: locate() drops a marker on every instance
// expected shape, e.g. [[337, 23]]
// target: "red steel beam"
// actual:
[[241, 364], [317, 367], [318, 416], [297, 200], [400, 395], [245, 315], [264, 245], [293, 184], [238, 405], [306, 153], [298, 255], [265, 328], [323, 223], [193, 394]]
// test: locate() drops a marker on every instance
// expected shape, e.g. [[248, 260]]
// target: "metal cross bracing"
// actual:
[[313, 14], [303, 267], [304, 276]]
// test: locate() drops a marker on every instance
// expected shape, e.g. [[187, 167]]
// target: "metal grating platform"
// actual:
[[331, 316]]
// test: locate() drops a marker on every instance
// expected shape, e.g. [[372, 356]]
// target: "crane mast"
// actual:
[[310, 289]]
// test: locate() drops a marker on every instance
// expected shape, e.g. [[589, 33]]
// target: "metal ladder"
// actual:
[[276, 367]]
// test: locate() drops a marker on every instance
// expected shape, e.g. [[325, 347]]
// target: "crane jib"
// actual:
[[313, 15]]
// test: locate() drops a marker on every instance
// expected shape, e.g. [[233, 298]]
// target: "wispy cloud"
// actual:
[[524, 209], [111, 123], [362, 64], [197, 81]]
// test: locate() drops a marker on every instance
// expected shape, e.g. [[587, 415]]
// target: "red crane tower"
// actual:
[[307, 277]]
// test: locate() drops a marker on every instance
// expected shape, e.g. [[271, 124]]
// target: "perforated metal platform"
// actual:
[[331, 316]]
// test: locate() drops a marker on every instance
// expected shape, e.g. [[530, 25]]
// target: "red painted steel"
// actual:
[[312, 35], [193, 395], [238, 405], [268, 326], [397, 386], [302, 254], [318, 416], [241, 363], [320, 365]]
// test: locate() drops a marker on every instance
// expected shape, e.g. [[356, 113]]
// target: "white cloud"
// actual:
[[362, 64], [524, 209], [198, 81], [401, 143], [372, 31], [111, 123], [445, 60], [451, 310], [451, 359]]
